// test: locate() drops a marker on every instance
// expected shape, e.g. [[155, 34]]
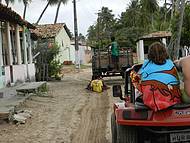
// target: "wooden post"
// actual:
[[24, 45], [17, 36], [30, 48], [1, 46], [10, 58]]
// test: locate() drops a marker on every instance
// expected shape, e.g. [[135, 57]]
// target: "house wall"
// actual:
[[2, 77], [85, 54], [82, 54], [72, 53], [11, 68], [64, 42], [31, 72], [19, 73], [7, 75]]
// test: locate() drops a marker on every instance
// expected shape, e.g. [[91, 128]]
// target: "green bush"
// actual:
[[48, 64], [54, 65]]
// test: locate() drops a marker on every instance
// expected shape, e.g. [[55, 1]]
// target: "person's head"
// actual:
[[112, 38], [157, 53], [94, 77]]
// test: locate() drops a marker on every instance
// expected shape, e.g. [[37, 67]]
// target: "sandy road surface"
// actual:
[[70, 114]]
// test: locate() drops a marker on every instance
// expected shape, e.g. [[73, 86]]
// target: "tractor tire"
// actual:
[[113, 128], [126, 134]]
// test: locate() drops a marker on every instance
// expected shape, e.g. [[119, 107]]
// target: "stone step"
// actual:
[[11, 97], [32, 87]]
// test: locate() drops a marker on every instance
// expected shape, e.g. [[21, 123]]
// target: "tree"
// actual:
[[106, 23], [58, 7], [99, 33], [91, 36], [52, 2], [9, 1], [47, 63], [57, 12], [177, 24], [49, 2], [25, 2], [81, 37], [185, 35], [148, 9], [137, 21]]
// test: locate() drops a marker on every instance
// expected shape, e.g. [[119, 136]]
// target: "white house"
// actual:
[[16, 64], [84, 52], [56, 33]]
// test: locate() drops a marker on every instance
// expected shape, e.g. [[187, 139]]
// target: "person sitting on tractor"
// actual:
[[183, 64], [158, 79]]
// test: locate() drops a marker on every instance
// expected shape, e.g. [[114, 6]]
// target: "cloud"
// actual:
[[86, 12]]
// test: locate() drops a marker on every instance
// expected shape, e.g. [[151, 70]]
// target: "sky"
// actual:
[[86, 12]]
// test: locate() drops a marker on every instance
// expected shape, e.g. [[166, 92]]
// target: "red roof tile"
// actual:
[[49, 30]]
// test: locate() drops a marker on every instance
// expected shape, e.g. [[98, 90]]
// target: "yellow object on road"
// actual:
[[97, 85]]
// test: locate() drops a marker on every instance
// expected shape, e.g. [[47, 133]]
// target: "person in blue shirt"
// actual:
[[159, 82]]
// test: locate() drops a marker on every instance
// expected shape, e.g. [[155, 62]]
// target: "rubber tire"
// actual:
[[113, 128], [126, 134]]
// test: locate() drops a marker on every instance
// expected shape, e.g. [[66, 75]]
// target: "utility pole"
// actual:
[[99, 40], [77, 60]]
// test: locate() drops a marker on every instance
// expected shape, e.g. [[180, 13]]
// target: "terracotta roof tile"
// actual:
[[48, 30], [7, 14]]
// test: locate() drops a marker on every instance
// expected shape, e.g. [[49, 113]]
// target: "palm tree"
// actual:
[[133, 13], [9, 1], [25, 2], [57, 12], [149, 7], [176, 35], [51, 2], [43, 12], [180, 24]]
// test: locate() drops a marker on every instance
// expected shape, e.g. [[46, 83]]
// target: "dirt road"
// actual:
[[70, 114]]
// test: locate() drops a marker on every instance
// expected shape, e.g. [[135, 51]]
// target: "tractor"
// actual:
[[134, 122]]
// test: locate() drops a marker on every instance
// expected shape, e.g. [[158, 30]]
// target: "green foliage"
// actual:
[[52, 52], [141, 17], [54, 65], [185, 35], [99, 34], [54, 68], [47, 61]]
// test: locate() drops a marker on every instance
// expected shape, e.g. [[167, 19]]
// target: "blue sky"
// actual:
[[86, 12]]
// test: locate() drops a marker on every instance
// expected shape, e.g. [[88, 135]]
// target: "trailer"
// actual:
[[102, 64]]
